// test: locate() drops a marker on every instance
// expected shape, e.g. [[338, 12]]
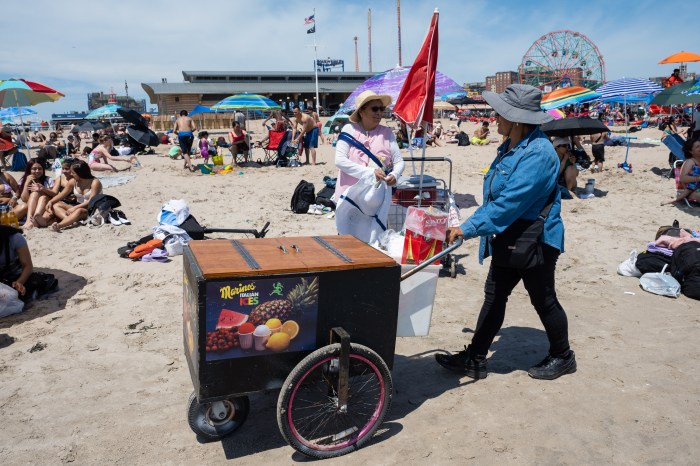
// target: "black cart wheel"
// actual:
[[308, 412], [214, 422]]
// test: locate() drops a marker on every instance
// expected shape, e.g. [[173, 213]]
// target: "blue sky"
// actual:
[[84, 46]]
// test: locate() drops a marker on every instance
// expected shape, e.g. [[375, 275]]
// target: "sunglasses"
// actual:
[[376, 109], [564, 145]]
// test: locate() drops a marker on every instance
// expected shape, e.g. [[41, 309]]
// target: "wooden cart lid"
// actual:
[[272, 256]]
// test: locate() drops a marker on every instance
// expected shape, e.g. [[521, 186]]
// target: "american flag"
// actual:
[[309, 20]]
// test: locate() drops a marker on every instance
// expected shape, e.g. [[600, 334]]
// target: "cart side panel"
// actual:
[[235, 370], [192, 302], [365, 303]]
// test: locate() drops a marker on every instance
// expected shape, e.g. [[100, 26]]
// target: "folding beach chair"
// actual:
[[272, 148], [674, 142]]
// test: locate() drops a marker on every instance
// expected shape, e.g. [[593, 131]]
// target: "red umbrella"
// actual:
[[415, 102]]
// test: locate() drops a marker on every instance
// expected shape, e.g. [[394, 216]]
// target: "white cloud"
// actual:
[[83, 46]]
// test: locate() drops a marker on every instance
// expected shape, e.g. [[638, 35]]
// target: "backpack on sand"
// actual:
[[304, 195]]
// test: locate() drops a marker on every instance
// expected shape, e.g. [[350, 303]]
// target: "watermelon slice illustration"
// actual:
[[229, 318]]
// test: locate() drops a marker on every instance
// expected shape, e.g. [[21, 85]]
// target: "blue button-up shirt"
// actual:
[[517, 186]]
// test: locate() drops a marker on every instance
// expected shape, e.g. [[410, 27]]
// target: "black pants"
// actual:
[[539, 283]]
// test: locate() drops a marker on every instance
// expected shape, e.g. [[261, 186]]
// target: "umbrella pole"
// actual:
[[422, 164], [21, 125]]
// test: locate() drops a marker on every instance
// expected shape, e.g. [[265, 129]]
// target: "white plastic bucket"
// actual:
[[416, 301]]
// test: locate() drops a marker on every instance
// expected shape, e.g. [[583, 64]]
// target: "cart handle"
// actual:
[[437, 256]]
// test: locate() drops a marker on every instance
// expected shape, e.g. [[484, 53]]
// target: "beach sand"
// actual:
[[111, 382]]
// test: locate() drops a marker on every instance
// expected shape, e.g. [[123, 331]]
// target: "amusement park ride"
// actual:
[[561, 59]]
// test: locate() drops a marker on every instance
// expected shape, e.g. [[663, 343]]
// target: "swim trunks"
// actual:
[[598, 152], [311, 138]]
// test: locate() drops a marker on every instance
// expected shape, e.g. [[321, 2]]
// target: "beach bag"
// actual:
[[425, 234], [518, 246], [19, 162], [661, 283], [9, 301], [629, 268], [99, 208], [650, 262], [304, 195], [324, 197], [685, 267], [174, 212], [673, 230]]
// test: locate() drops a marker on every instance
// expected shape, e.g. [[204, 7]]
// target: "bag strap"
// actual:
[[350, 139]]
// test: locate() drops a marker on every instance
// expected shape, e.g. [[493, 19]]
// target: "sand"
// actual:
[[111, 382]]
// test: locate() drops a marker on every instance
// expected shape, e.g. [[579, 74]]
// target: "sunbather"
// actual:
[[84, 186], [9, 189], [36, 189], [100, 156], [481, 135], [690, 173]]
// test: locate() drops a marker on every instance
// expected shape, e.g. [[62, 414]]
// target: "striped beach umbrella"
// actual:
[[627, 87], [16, 114], [566, 96], [108, 111], [246, 102], [391, 81], [23, 93]]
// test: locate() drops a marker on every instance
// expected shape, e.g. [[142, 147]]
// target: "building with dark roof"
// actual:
[[285, 87]]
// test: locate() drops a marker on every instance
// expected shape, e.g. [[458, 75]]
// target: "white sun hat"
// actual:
[[363, 209]]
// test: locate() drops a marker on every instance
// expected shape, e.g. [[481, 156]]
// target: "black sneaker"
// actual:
[[551, 367], [465, 363]]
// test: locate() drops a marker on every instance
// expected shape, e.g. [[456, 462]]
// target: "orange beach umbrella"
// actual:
[[680, 57]]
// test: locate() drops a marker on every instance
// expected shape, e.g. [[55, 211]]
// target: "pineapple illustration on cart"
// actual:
[[280, 313]]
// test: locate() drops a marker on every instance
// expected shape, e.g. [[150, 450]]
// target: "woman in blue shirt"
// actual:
[[518, 186]]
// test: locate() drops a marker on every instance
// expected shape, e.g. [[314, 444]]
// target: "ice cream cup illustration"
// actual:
[[261, 335]]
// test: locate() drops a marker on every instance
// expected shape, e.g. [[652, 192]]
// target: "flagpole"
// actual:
[[316, 66]]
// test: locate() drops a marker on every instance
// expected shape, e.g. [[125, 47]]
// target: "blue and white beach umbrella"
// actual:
[[108, 111], [628, 86]]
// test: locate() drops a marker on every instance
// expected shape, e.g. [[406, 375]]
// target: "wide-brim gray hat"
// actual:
[[519, 103]]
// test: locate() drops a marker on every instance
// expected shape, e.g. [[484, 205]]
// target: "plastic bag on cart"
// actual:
[[453, 219], [425, 233]]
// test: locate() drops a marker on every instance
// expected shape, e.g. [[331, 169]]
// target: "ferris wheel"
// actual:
[[562, 59]]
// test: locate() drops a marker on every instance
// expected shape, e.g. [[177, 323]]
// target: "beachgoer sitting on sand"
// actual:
[[101, 155], [36, 190], [175, 152], [15, 260], [73, 146], [52, 148], [60, 182], [38, 137], [9, 189], [481, 134], [238, 139], [6, 136], [84, 186], [567, 167], [690, 172], [438, 132]]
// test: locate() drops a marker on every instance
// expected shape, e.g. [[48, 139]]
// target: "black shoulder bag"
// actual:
[[518, 246]]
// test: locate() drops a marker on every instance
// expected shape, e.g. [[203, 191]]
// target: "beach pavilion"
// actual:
[[285, 87]]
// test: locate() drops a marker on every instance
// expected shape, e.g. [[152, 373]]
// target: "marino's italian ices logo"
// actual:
[[246, 294]]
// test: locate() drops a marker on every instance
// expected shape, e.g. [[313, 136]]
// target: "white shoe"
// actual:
[[312, 209]]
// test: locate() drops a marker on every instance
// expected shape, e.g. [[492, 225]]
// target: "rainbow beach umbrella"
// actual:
[[23, 93], [566, 96]]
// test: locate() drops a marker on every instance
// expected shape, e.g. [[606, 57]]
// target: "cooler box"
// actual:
[[317, 283], [406, 192], [416, 301]]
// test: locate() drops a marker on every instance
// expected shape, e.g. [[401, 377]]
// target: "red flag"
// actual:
[[415, 102]]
